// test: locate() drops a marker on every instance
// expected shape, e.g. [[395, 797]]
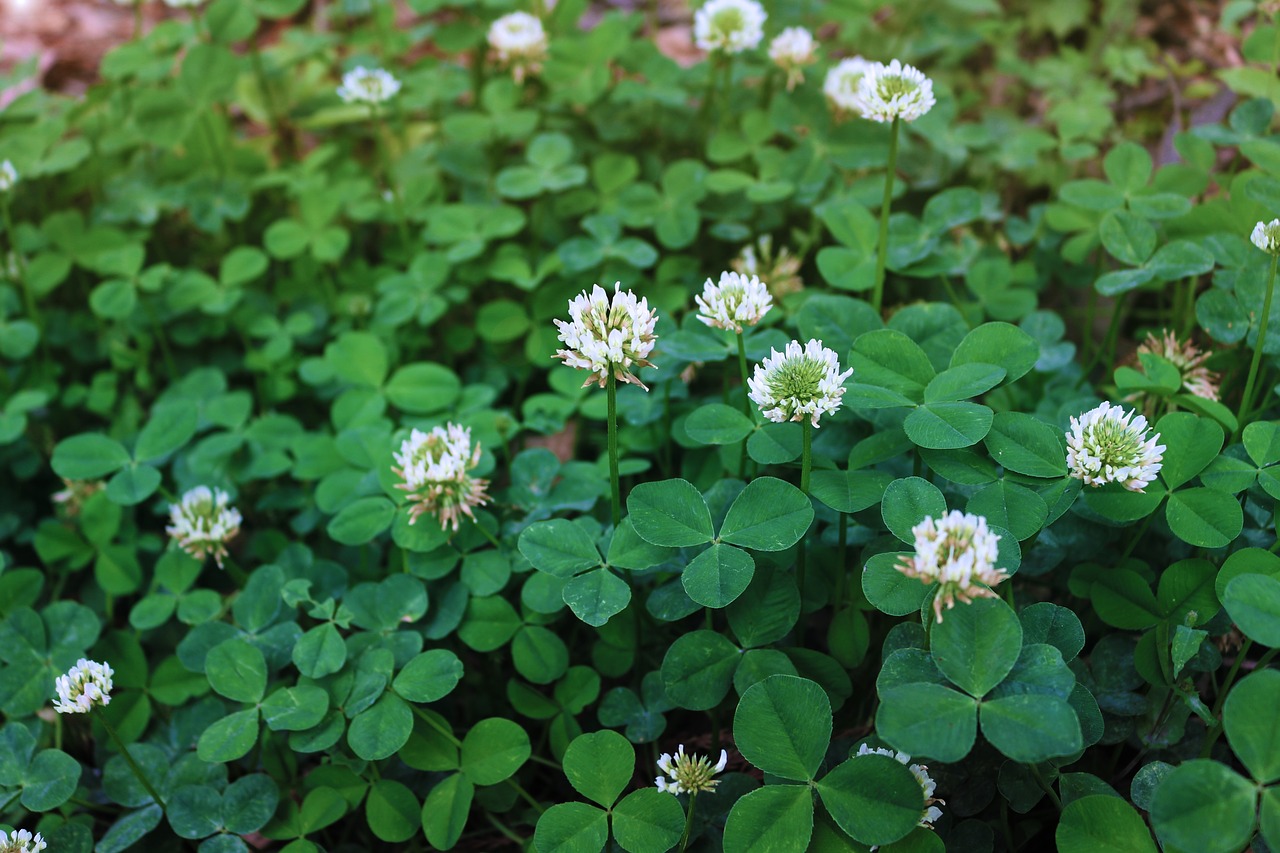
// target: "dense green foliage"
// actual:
[[220, 275]]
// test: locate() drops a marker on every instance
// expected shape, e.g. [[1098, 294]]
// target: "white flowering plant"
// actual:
[[733, 426]]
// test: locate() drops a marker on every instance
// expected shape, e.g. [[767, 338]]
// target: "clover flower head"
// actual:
[[1266, 236], [779, 270], [689, 774], [735, 302], [86, 684], [518, 40], [921, 772], [202, 523], [1184, 355], [370, 86], [793, 50], [843, 82], [895, 90], [729, 26], [71, 498], [8, 176], [958, 553], [608, 336], [21, 841], [800, 382], [435, 468], [1110, 445]]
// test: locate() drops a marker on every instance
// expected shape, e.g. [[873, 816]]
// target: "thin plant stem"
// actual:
[[688, 823], [746, 400], [615, 485], [133, 765], [882, 247], [1246, 400], [29, 297], [237, 574], [1045, 786], [1218, 701], [487, 535], [806, 463], [381, 131], [842, 555]]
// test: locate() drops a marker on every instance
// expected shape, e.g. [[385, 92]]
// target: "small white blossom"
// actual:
[[921, 772], [895, 90], [690, 774], [729, 26], [793, 50], [798, 383], [86, 684], [606, 336], [519, 41], [21, 841], [370, 86], [957, 552], [735, 302], [435, 468], [842, 83], [1266, 236], [202, 523], [8, 176], [1110, 445]]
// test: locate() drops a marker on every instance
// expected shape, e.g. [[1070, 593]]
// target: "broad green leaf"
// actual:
[[1031, 727], [782, 725], [716, 423], [380, 730], [1124, 600], [1206, 518], [648, 821], [888, 589], [295, 709], [1204, 806], [229, 738], [977, 644], [359, 522], [773, 819], [1102, 824], [168, 429], [945, 426], [49, 780], [558, 547], [571, 828], [1191, 443], [928, 721], [493, 750], [719, 575], [1251, 725], [909, 501], [890, 359], [445, 811], [1000, 344], [429, 676], [1253, 602], [423, 388], [88, 456], [963, 382], [596, 596], [698, 668], [768, 515], [671, 513], [874, 798], [599, 766], [237, 670], [1026, 445], [392, 811]]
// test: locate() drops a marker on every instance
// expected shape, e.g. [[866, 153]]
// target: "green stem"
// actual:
[[487, 535], [882, 247], [237, 574], [28, 295], [842, 556], [380, 133], [615, 485], [133, 765], [1247, 397], [1218, 701], [1046, 787], [806, 463], [746, 400], [688, 823]]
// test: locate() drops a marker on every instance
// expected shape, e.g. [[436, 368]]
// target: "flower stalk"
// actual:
[[1246, 399], [882, 247], [615, 484], [133, 765]]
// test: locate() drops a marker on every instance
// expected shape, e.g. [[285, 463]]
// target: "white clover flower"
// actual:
[[957, 552], [1109, 445], [8, 176], [895, 90], [1197, 379], [86, 684], [71, 499], [202, 523], [21, 841], [604, 336], [519, 41], [735, 302], [1266, 236], [921, 772], [798, 383], [370, 86], [729, 26], [842, 83], [690, 774], [780, 270], [793, 50], [434, 466]]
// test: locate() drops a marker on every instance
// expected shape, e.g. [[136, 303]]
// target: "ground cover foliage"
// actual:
[[221, 275]]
